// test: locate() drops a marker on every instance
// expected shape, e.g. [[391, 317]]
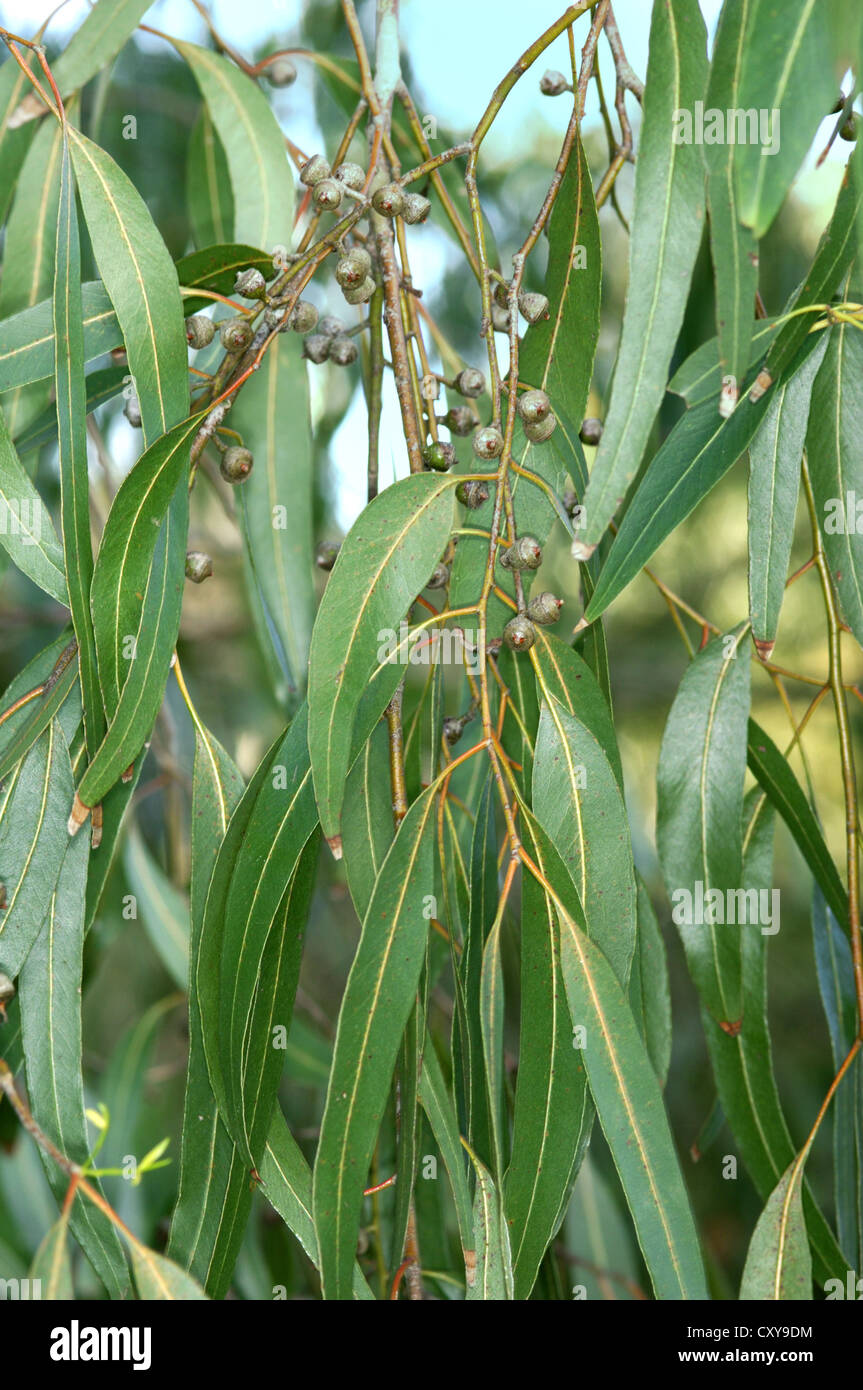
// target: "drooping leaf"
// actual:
[[261, 178], [783, 789], [272, 415], [563, 675], [836, 467], [208, 187], [787, 77], [553, 1113], [699, 376], [579, 805], [478, 1074], [377, 1001], [439, 1108], [557, 353], [367, 818], [27, 338], [50, 995], [775, 455], [101, 36], [598, 1234], [214, 1195], [56, 667], [734, 247], [702, 765], [626, 1094], [384, 562], [778, 1265], [666, 232], [492, 1280], [70, 393], [141, 280]]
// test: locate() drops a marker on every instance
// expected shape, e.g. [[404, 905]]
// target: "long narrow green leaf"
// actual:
[[72, 447], [733, 246], [836, 466], [101, 36], [666, 232], [164, 910], [254, 146], [377, 1001], [214, 1196], [438, 1106], [52, 1266], [27, 338], [786, 76], [774, 481], [50, 994], [778, 1265], [492, 1281], [158, 1278], [208, 184], [649, 993], [626, 1094], [383, 564]]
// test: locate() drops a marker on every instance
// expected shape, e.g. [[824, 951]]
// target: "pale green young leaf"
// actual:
[[778, 1265]]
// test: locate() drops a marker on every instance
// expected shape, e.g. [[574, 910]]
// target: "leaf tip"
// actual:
[[581, 550], [764, 648], [335, 844], [728, 396], [77, 815]]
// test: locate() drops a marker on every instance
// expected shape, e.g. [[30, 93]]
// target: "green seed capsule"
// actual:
[[472, 494], [519, 633], [526, 554], [200, 331], [235, 334], [314, 170], [534, 406], [470, 382], [236, 464], [439, 456], [591, 431], [488, 443], [351, 175], [389, 200], [545, 609], [541, 430], [199, 566]]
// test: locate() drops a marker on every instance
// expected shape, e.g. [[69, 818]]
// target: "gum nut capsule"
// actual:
[[303, 317], [501, 294], [281, 73], [501, 319], [849, 129], [343, 351], [132, 411], [351, 175], [200, 331], [470, 382], [235, 334], [416, 208], [316, 347], [553, 83], [330, 326], [534, 405], [361, 294], [327, 195], [460, 420], [250, 284], [488, 443], [526, 554], [452, 729], [235, 464], [519, 633], [353, 267], [389, 200], [472, 494], [439, 578], [541, 430], [591, 431], [314, 170], [199, 566], [533, 307], [544, 609], [438, 456], [325, 555]]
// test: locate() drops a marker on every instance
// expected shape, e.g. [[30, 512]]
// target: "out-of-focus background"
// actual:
[[455, 54]]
